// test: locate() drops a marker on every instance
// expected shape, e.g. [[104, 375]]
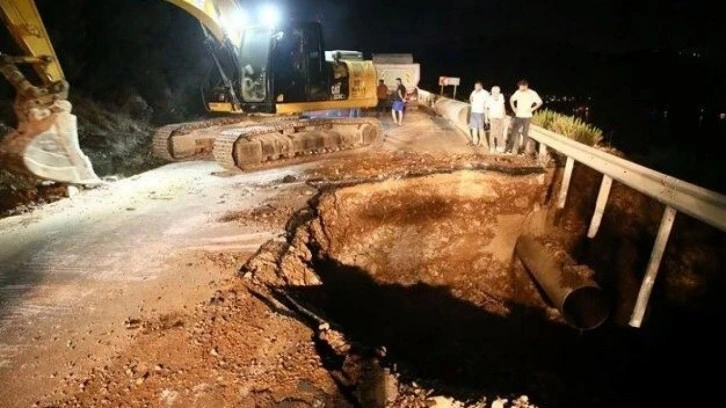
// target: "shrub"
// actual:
[[568, 126], [544, 118]]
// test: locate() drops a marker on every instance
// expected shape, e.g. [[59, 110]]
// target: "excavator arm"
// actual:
[[46, 140]]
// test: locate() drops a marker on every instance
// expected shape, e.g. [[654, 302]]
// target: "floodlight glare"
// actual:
[[240, 19], [269, 15]]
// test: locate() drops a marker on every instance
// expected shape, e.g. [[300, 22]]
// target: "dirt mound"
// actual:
[[20, 194]]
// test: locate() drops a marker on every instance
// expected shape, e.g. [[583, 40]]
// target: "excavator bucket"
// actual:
[[46, 145]]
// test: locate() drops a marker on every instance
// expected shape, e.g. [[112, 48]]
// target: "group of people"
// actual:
[[489, 109]]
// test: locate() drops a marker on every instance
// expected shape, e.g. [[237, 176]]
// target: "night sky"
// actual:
[[504, 29], [598, 25]]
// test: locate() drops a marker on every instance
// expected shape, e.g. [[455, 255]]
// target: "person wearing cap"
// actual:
[[399, 102]]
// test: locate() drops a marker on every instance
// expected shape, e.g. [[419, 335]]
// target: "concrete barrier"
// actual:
[[457, 112]]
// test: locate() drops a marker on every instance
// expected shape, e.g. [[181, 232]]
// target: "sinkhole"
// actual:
[[425, 267]]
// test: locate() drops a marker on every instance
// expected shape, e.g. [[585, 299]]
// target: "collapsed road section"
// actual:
[[418, 276]]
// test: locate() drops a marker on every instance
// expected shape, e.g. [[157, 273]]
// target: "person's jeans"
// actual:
[[381, 108], [514, 141], [496, 133]]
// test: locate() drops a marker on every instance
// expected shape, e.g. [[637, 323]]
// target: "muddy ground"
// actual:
[[379, 278]]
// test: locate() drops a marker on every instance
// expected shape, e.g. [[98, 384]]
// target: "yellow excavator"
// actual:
[[279, 74]]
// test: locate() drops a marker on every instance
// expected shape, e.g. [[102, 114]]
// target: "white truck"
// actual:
[[392, 66]]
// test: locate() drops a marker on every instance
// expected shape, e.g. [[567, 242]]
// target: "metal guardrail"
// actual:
[[698, 202], [677, 195]]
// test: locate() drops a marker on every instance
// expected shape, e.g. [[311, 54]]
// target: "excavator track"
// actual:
[[195, 140], [192, 140], [254, 145]]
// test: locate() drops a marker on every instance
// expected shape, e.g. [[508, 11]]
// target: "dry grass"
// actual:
[[568, 126]]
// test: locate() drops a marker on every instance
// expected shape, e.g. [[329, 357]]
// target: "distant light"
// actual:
[[270, 15]]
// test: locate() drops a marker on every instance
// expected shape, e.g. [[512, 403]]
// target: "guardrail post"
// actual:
[[656, 256], [602, 200], [565, 182], [542, 152]]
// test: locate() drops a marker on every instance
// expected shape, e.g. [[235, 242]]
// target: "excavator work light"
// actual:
[[269, 15]]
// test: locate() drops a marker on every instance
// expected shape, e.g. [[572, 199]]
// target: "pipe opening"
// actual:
[[586, 307]]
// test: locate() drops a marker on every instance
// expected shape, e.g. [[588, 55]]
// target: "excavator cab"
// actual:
[[286, 70], [282, 65]]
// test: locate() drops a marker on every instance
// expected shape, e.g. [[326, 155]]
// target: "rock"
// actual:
[[499, 403], [72, 191], [522, 402], [289, 179], [130, 323], [445, 402]]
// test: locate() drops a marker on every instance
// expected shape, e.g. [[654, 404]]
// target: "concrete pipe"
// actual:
[[570, 287], [457, 112]]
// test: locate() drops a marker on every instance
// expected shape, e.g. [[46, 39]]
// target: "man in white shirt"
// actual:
[[495, 113], [478, 100], [524, 102]]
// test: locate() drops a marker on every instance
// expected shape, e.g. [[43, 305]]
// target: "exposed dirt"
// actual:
[[232, 350], [422, 268], [20, 194], [383, 164]]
